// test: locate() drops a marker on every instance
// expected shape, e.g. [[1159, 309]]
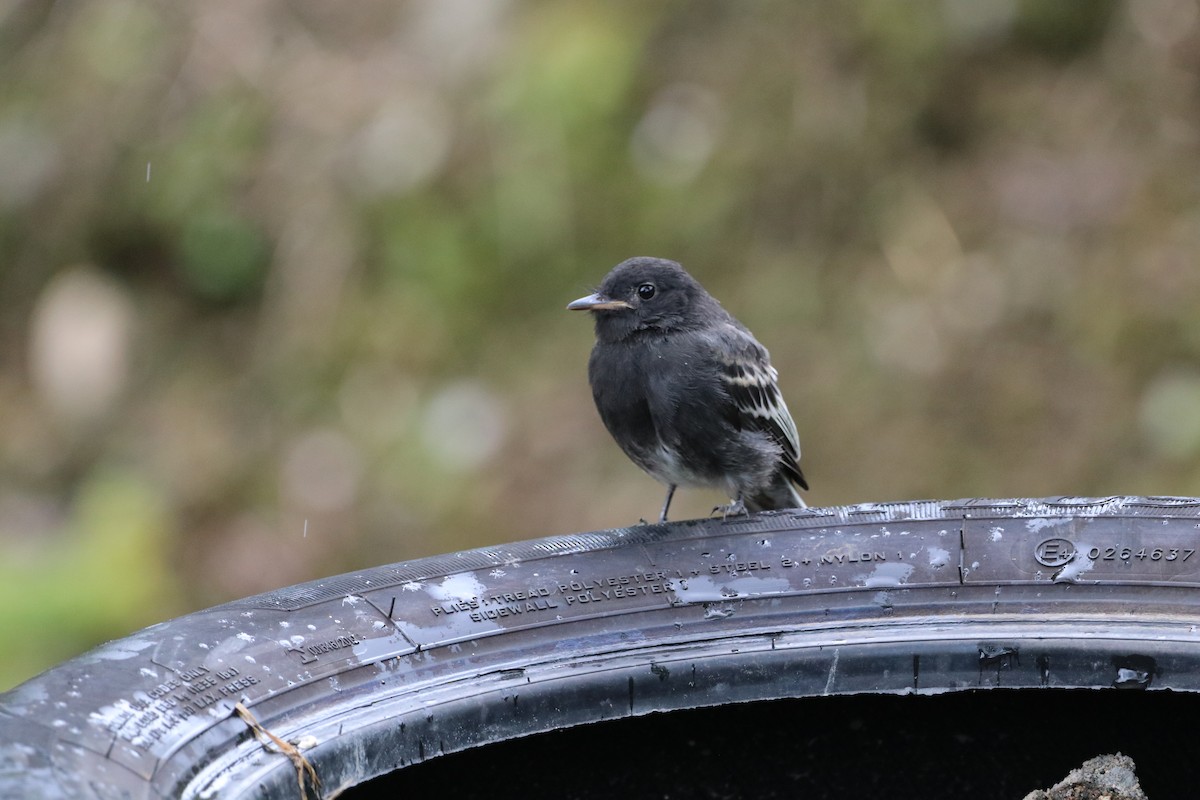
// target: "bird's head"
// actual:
[[643, 294]]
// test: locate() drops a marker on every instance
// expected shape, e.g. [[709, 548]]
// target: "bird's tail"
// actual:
[[780, 494]]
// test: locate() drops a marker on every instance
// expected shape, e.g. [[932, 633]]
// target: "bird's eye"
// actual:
[[646, 291]]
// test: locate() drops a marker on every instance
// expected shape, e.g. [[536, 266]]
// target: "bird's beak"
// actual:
[[597, 302]]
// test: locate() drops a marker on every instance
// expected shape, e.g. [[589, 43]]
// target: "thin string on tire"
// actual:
[[306, 773]]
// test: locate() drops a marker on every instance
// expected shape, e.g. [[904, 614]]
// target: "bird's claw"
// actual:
[[735, 509]]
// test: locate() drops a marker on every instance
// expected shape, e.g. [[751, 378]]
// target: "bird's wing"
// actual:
[[752, 384]]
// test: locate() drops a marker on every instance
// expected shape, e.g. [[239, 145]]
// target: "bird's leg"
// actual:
[[667, 503], [735, 509]]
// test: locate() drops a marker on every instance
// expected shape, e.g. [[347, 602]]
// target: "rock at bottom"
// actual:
[[1100, 778]]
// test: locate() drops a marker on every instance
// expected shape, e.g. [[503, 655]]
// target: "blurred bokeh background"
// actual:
[[282, 281]]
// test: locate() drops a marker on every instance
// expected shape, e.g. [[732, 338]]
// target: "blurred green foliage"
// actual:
[[283, 282]]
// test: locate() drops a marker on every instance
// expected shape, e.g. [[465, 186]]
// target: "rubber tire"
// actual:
[[376, 670]]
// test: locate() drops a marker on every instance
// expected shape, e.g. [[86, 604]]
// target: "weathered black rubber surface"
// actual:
[[380, 669]]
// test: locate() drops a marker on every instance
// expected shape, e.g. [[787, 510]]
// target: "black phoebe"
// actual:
[[687, 391]]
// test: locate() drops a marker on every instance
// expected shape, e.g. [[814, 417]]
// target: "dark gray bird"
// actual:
[[687, 391]]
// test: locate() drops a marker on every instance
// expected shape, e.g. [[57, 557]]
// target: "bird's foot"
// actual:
[[735, 509], [662, 518]]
